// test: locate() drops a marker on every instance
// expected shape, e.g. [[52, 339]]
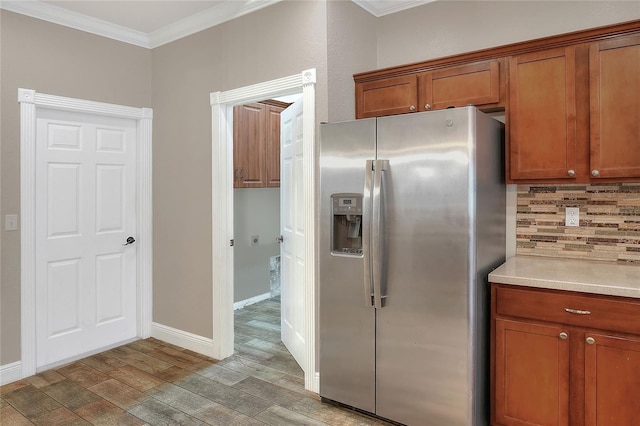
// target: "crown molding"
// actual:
[[380, 8], [208, 18], [57, 15]]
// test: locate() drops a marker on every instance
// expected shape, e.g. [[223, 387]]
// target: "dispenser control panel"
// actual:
[[347, 205], [346, 224]]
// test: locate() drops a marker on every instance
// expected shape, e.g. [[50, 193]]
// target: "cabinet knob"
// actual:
[[412, 108], [571, 173], [591, 340], [427, 107], [595, 173], [564, 335]]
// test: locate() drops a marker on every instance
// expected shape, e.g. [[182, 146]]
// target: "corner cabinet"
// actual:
[[479, 83], [256, 145], [562, 358]]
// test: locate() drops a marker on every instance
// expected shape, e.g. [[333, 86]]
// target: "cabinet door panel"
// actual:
[[396, 95], [273, 146], [614, 68], [531, 374], [612, 381], [475, 84], [542, 115], [249, 146]]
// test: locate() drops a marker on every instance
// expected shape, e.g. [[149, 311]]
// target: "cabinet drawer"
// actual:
[[605, 313]]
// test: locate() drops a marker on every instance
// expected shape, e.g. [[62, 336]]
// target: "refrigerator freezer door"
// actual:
[[347, 326], [423, 341]]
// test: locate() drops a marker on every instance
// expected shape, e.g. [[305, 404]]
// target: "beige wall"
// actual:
[[278, 41], [61, 61], [351, 48], [448, 27]]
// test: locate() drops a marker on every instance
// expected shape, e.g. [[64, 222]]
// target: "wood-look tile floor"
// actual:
[[149, 382]]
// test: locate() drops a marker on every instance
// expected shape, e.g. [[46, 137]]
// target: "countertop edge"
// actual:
[[548, 273]]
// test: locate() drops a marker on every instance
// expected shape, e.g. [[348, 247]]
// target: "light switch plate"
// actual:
[[572, 216], [11, 222]]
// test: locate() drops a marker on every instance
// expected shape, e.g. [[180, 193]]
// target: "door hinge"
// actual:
[[231, 242]]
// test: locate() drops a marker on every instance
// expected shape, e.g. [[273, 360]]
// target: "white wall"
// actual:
[[256, 211]]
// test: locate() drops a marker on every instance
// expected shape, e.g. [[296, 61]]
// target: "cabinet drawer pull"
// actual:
[[412, 108], [591, 340], [563, 336], [571, 173], [577, 311]]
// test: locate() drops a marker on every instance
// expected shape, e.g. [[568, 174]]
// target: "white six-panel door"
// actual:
[[85, 211], [292, 250]]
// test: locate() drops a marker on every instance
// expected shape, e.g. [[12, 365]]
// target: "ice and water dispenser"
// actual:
[[346, 224]]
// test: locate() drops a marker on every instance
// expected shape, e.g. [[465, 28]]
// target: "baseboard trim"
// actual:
[[10, 372], [250, 301], [184, 339]]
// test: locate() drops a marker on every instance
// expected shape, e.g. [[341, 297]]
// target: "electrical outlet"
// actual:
[[255, 240], [572, 216]]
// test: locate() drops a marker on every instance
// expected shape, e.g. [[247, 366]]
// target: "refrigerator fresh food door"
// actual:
[[347, 316], [423, 328]]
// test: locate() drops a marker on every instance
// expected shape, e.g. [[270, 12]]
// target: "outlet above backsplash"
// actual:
[[609, 221]]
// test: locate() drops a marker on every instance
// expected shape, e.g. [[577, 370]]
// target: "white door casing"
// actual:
[[222, 208], [85, 211], [32, 105], [293, 232]]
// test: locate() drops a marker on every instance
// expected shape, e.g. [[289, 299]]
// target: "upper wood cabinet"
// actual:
[[542, 115], [574, 113], [396, 95], [256, 145], [476, 84], [614, 77], [249, 146], [571, 101], [480, 84]]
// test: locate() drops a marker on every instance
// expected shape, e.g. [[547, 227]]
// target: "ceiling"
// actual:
[[151, 23]]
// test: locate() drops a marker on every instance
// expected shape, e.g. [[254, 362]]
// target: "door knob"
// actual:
[[279, 239], [130, 240]]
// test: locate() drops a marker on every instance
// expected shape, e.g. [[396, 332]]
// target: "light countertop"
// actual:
[[587, 276]]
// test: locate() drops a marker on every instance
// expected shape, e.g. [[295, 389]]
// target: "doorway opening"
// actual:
[[222, 104], [258, 236]]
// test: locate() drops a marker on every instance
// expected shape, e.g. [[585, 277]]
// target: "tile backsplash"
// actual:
[[609, 221]]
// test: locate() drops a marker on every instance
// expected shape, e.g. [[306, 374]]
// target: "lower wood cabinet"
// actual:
[[612, 379], [563, 358]]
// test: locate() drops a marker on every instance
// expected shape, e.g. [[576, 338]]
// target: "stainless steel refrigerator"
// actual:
[[412, 220]]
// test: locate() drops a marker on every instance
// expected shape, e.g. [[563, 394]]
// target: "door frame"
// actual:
[[30, 102], [222, 208]]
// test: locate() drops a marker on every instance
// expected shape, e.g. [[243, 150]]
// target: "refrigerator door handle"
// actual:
[[377, 249], [366, 233]]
